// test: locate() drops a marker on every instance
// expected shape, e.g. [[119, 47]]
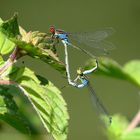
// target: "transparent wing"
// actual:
[[83, 50], [94, 40], [101, 110], [92, 36]]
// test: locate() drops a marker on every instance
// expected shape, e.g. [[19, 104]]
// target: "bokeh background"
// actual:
[[80, 15]]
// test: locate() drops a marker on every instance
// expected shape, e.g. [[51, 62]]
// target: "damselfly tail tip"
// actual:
[[110, 120], [106, 120]]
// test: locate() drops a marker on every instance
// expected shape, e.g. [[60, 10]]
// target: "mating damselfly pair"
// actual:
[[97, 45]]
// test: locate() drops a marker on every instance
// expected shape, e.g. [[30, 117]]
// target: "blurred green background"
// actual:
[[77, 15]]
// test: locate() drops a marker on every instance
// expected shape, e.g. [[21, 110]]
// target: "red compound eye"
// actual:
[[52, 29]]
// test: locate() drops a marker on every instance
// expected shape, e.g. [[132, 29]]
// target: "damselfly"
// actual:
[[81, 75], [91, 43], [96, 42]]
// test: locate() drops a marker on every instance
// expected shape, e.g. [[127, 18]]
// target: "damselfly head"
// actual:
[[52, 29]]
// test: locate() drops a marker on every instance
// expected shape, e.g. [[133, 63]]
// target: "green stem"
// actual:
[[7, 82], [133, 123], [10, 61], [13, 56]]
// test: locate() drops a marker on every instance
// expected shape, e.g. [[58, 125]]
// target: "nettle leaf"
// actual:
[[117, 130], [130, 72], [3, 108], [10, 113], [46, 99], [132, 135], [117, 127], [40, 45], [45, 55], [133, 69], [1, 21], [1, 60], [35, 44], [8, 29]]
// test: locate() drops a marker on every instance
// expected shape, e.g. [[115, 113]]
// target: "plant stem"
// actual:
[[7, 82], [13, 56], [10, 61], [133, 123]]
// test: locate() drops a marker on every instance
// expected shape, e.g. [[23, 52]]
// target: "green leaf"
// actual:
[[3, 108], [39, 45], [10, 27], [35, 44], [117, 127], [133, 135], [44, 55], [1, 21], [8, 30], [108, 67], [132, 68], [6, 45], [117, 130], [46, 99], [10, 113]]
